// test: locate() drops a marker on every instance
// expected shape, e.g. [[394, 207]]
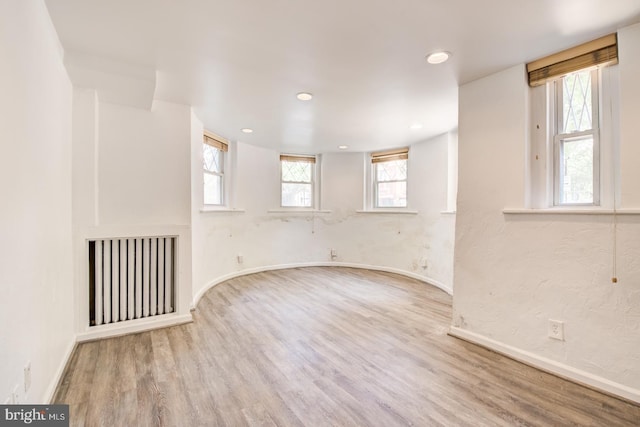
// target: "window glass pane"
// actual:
[[576, 170], [296, 195], [212, 189], [577, 111], [296, 171], [212, 158], [392, 194], [395, 170]]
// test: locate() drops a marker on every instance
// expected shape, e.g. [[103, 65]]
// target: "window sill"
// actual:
[[570, 211], [298, 210], [221, 209], [388, 211]]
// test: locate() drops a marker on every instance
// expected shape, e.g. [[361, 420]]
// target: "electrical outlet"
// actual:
[[334, 253], [556, 329], [240, 259], [27, 377]]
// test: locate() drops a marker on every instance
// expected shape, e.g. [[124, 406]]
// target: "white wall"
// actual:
[[84, 191], [131, 166], [628, 45], [36, 283], [131, 179], [144, 163], [402, 242], [515, 272]]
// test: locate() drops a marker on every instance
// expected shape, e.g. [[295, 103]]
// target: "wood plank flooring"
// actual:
[[320, 347]]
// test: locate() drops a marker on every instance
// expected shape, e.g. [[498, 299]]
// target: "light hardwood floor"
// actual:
[[320, 347]]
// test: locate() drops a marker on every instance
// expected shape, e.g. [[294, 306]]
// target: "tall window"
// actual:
[[576, 140], [572, 140], [390, 178], [297, 180], [214, 153]]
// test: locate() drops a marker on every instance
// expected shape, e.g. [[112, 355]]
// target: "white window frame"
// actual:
[[544, 145], [314, 182], [224, 164], [556, 119], [373, 178]]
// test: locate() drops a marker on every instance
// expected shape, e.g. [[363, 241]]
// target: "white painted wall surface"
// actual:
[[397, 242], [36, 283], [131, 179], [452, 170], [629, 47], [143, 164], [197, 239], [85, 191], [515, 272]]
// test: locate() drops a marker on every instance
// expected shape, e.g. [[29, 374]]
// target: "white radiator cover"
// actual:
[[131, 278]]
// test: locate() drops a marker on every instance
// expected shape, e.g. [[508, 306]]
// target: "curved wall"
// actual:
[[418, 244], [514, 273]]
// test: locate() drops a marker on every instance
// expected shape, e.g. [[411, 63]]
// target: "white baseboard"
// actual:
[[551, 366], [57, 377], [112, 330], [134, 326], [224, 278]]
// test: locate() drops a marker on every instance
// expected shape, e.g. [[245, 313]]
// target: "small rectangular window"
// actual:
[[390, 178], [573, 153], [576, 141], [297, 175], [214, 152]]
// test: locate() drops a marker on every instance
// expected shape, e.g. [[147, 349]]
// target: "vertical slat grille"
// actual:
[[106, 281], [146, 280], [131, 278]]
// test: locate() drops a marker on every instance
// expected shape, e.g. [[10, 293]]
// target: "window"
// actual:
[[297, 176], [214, 152], [576, 139], [573, 141], [389, 172]]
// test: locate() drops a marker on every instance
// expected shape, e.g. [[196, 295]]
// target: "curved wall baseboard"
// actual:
[[551, 366], [198, 296]]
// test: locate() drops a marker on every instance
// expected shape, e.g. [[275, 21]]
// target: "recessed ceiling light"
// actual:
[[438, 57], [247, 130], [416, 126], [304, 96], [343, 147]]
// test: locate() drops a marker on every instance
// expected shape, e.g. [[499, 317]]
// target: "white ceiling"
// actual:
[[240, 63]]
